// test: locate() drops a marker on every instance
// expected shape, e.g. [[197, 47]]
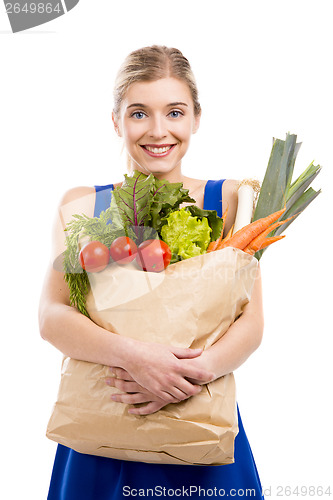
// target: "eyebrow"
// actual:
[[141, 105]]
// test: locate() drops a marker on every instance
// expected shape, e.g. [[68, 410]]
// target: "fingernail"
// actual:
[[108, 381]]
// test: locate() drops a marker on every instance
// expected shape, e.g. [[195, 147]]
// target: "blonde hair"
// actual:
[[152, 63]]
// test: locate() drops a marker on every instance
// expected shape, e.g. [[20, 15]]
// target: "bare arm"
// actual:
[[230, 201], [240, 341], [60, 324]]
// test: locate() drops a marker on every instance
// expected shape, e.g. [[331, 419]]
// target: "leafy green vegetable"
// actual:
[[277, 176], [130, 203], [139, 209], [167, 197], [186, 235], [79, 287], [301, 183], [298, 189], [213, 219], [81, 226], [299, 205], [144, 200], [277, 188]]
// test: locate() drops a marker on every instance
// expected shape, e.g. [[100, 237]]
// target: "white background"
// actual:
[[263, 68]]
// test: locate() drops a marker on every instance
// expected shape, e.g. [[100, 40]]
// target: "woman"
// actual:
[[156, 111]]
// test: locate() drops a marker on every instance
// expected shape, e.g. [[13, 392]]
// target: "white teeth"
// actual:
[[158, 150]]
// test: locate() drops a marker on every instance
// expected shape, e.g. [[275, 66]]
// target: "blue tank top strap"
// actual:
[[213, 196], [103, 198]]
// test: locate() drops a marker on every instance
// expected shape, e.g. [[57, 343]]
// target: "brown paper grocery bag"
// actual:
[[190, 304]]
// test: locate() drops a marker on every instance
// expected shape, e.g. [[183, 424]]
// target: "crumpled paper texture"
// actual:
[[190, 304]]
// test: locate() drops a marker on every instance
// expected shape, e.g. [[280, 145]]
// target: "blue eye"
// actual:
[[138, 114], [175, 113]]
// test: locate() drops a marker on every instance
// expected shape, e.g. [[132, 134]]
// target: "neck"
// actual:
[[174, 175]]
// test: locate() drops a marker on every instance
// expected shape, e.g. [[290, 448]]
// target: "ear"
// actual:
[[196, 123], [116, 125]]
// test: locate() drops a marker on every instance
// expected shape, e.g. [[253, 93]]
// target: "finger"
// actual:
[[130, 398], [187, 352], [120, 373], [180, 394], [202, 376], [175, 388], [175, 395], [151, 407], [167, 397], [188, 389], [125, 386], [188, 370], [194, 381]]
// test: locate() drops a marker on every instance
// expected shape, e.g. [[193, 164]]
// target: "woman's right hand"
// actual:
[[159, 369], [141, 400]]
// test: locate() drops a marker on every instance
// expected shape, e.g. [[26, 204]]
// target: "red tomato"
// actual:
[[123, 250], [153, 255], [94, 257]]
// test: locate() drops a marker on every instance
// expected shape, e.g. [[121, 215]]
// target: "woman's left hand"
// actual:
[[133, 393], [202, 362]]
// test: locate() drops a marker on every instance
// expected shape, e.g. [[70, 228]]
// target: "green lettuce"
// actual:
[[213, 219], [186, 236]]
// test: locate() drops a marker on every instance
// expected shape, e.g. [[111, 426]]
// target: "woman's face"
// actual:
[[156, 121]]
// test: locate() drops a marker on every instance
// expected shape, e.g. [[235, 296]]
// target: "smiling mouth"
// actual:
[[160, 150]]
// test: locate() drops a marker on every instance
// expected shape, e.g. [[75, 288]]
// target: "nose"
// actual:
[[158, 127]]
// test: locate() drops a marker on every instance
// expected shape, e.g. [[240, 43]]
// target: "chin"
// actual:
[[154, 168]]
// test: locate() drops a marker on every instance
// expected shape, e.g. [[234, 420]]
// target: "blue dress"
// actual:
[[77, 476]]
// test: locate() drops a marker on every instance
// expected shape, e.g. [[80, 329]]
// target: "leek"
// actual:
[[277, 188]]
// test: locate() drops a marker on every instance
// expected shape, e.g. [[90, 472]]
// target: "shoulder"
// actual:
[[229, 190], [78, 200], [229, 201], [76, 193]]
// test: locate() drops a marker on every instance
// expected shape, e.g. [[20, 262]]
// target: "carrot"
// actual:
[[252, 249], [257, 242], [216, 243], [248, 250], [229, 233], [245, 235], [213, 244], [272, 239]]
